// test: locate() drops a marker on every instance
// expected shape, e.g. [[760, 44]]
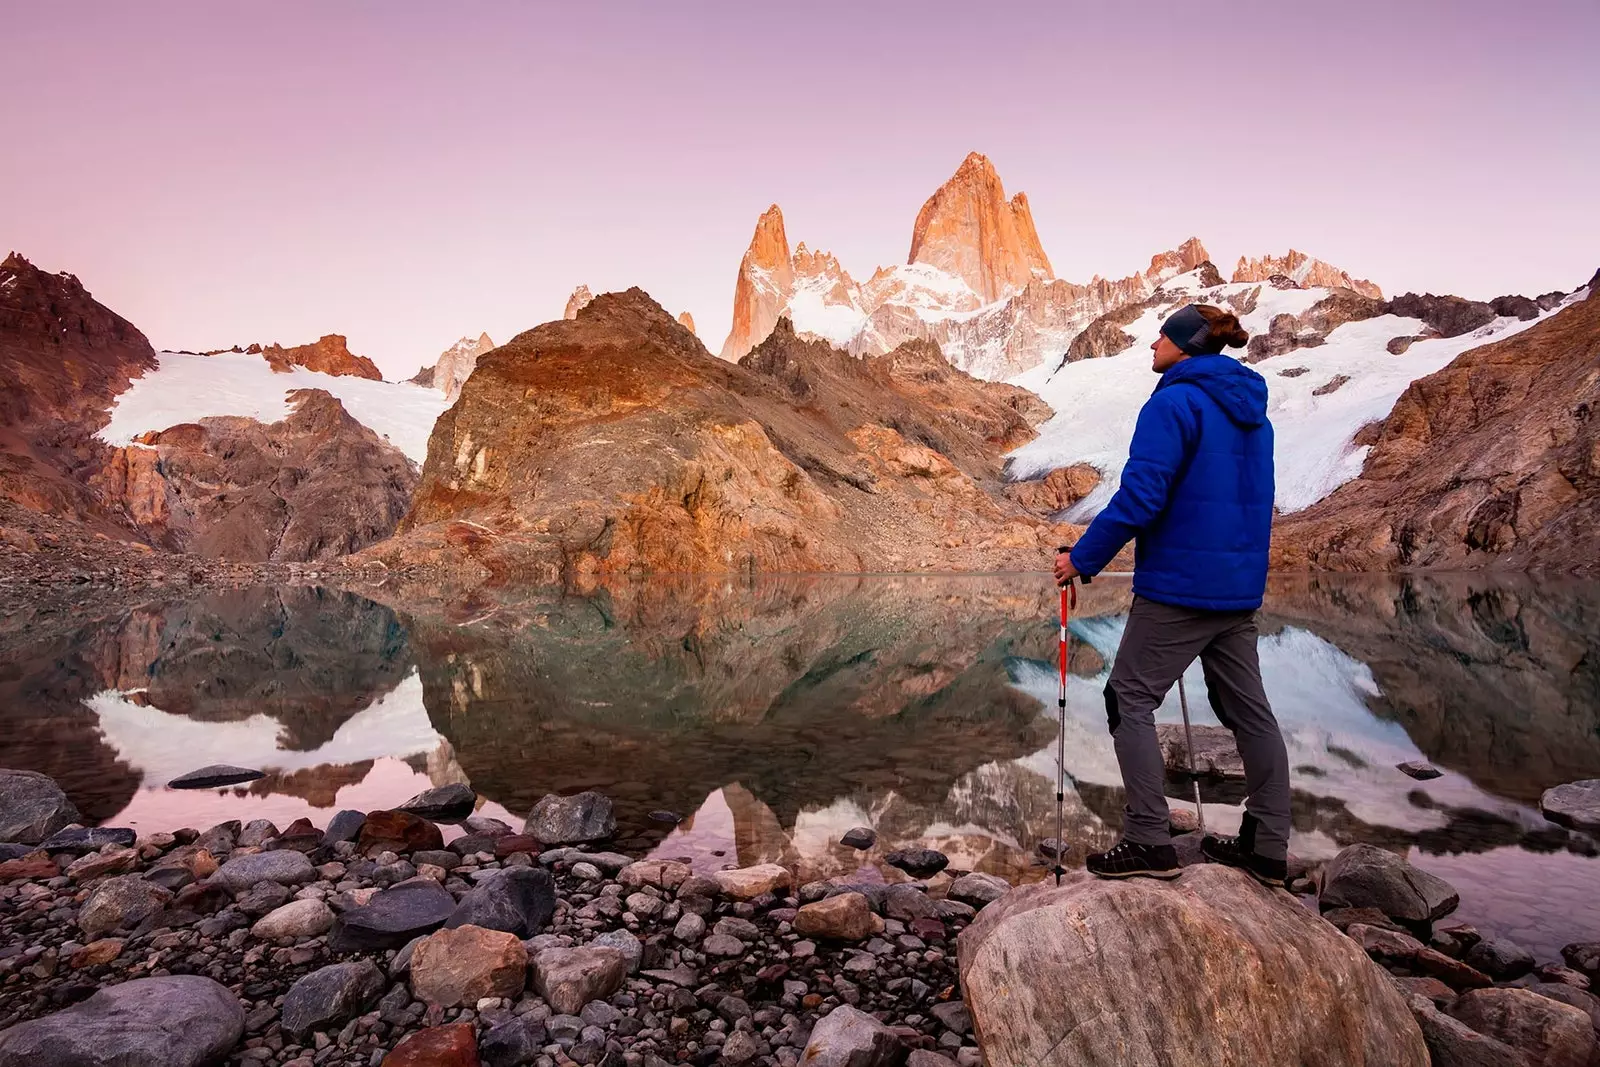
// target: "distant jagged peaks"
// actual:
[[1306, 271], [580, 298], [455, 365], [967, 228]]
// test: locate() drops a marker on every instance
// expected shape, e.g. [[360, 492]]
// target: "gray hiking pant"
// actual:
[[1159, 642]]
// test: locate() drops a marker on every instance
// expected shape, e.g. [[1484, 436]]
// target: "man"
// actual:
[[1197, 495]]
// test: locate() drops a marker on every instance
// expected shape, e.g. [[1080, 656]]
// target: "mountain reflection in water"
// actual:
[[776, 714]]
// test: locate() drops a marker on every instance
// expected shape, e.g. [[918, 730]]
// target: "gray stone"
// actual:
[[623, 941], [571, 820], [953, 1015], [257, 832], [329, 997], [520, 900], [1421, 770], [1500, 960], [284, 866], [918, 862], [294, 921], [743, 929], [392, 917], [32, 807], [82, 840], [1366, 876], [861, 837], [723, 945], [690, 928], [1228, 948], [1575, 805], [1583, 957], [345, 826], [513, 1043], [174, 1021], [263, 897], [1548, 1032], [215, 776], [906, 902], [978, 889], [451, 801], [121, 903], [1452, 1043], [740, 1048], [568, 978], [846, 1037]]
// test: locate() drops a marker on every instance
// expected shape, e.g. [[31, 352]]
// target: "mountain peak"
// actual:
[[969, 229], [1306, 271], [766, 278]]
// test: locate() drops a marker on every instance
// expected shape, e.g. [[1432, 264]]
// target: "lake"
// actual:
[[774, 714]]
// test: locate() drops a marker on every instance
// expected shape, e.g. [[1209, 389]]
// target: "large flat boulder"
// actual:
[[1211, 968], [32, 807], [174, 1021], [1576, 804]]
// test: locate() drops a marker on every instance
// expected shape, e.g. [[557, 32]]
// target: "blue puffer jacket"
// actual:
[[1197, 491]]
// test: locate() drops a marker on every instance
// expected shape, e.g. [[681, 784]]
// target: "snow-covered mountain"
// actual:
[[186, 388], [454, 365], [977, 282], [1335, 362]]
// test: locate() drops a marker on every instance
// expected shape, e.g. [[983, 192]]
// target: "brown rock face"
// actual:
[[316, 485], [1305, 271], [63, 358], [969, 229], [1494, 460], [762, 289], [329, 354], [614, 444], [1056, 491], [577, 302]]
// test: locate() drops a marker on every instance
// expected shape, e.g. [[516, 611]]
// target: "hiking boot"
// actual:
[[1241, 852], [1128, 860]]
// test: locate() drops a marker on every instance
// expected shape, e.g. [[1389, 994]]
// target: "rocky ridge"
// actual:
[[454, 365], [329, 354], [615, 443], [1305, 271]]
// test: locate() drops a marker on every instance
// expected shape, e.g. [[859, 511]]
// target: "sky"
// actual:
[[406, 173]]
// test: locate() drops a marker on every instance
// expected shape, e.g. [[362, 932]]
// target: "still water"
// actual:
[[774, 715]]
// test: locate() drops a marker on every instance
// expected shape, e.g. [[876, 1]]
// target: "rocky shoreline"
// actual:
[[374, 941]]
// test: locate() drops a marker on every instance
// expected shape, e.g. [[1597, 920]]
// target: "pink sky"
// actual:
[[408, 173]]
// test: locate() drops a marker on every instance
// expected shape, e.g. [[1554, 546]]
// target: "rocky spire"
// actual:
[[577, 302], [969, 229], [765, 282]]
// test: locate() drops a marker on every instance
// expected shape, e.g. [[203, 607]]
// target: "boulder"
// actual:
[[907, 902], [1583, 957], [398, 831], [1583, 1000], [746, 883], [173, 1021], [329, 997], [626, 943], [463, 965], [35, 864], [32, 807], [1421, 770], [519, 900], [860, 837], [1548, 1032], [81, 840], [294, 921], [453, 801], [846, 1037], [918, 862], [1247, 975], [513, 1043], [663, 874], [1215, 753], [453, 1045], [285, 867], [978, 889], [846, 917], [344, 826], [1500, 960], [1391, 947], [99, 864], [568, 978], [1452, 1043], [1575, 805], [121, 903], [215, 776], [257, 832], [393, 916], [571, 820], [1366, 876]]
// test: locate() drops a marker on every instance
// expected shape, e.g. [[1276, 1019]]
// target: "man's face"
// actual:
[[1167, 355]]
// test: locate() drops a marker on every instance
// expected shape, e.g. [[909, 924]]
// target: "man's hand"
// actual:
[[1065, 571]]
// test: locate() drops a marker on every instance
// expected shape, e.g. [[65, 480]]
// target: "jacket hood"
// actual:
[[1239, 391]]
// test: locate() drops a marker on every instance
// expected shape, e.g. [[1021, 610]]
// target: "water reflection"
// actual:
[[776, 715]]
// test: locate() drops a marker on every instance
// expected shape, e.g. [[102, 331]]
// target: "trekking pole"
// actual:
[[1188, 744], [1069, 600]]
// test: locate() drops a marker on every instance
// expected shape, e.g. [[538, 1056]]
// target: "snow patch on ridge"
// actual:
[[187, 388], [1097, 401]]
